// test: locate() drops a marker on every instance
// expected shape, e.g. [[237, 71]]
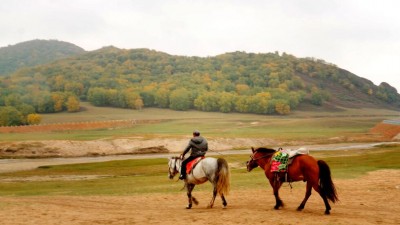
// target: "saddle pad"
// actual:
[[279, 161], [193, 163]]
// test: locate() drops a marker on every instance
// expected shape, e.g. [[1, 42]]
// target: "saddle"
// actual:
[[283, 158], [192, 164]]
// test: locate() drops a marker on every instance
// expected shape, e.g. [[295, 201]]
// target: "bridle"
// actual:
[[253, 159], [175, 170], [261, 157]]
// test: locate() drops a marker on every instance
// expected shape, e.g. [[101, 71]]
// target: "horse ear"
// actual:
[[252, 149]]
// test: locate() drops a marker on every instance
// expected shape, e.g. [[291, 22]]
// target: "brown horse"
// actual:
[[305, 168]]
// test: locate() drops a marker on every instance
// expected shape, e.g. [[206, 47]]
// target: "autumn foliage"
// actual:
[[264, 83]]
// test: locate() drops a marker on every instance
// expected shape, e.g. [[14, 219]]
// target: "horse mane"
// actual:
[[265, 150]]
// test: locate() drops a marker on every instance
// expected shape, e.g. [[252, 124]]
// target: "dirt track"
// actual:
[[371, 199]]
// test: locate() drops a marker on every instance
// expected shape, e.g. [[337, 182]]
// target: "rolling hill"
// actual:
[[263, 83], [34, 52]]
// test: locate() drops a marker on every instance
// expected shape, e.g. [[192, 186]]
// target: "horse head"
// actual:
[[252, 163], [259, 153], [174, 164]]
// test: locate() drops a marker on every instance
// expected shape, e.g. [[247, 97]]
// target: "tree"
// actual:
[[34, 119], [282, 108], [44, 102], [241, 89], [139, 104], [207, 101], [25, 109], [97, 96], [262, 99], [58, 99], [161, 98], [10, 116], [316, 97], [12, 100], [74, 87], [226, 102], [148, 98], [242, 104], [73, 104], [180, 99]]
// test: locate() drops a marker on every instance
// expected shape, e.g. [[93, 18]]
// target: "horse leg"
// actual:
[[276, 184], [189, 188], [323, 196], [213, 197], [308, 194], [327, 206], [224, 203]]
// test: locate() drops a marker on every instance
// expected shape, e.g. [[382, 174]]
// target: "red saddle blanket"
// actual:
[[193, 163]]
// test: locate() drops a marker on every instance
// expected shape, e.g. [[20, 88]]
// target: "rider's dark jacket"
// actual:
[[199, 146]]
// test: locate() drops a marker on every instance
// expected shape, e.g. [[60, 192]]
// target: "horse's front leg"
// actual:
[[189, 188], [276, 184], [308, 194]]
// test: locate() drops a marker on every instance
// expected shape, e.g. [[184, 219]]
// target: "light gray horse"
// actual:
[[208, 169]]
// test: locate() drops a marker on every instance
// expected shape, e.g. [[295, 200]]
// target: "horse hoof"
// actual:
[[189, 206], [327, 212], [209, 206]]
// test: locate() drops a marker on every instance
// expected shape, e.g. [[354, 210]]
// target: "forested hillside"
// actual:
[[270, 83], [35, 52]]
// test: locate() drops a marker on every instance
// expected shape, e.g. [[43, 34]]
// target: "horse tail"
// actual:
[[325, 182], [223, 177]]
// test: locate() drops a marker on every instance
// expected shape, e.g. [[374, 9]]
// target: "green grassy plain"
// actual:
[[131, 177], [306, 124]]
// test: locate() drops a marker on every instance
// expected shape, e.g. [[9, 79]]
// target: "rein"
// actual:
[[261, 157]]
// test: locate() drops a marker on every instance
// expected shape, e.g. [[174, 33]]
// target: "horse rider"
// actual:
[[198, 146]]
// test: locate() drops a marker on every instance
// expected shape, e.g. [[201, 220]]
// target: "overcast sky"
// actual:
[[361, 36]]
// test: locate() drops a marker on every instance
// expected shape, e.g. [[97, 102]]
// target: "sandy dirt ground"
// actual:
[[370, 199], [67, 148]]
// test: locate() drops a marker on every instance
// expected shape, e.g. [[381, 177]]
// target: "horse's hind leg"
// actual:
[[327, 206], [317, 189], [323, 196], [224, 203], [189, 188], [308, 194], [213, 197]]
